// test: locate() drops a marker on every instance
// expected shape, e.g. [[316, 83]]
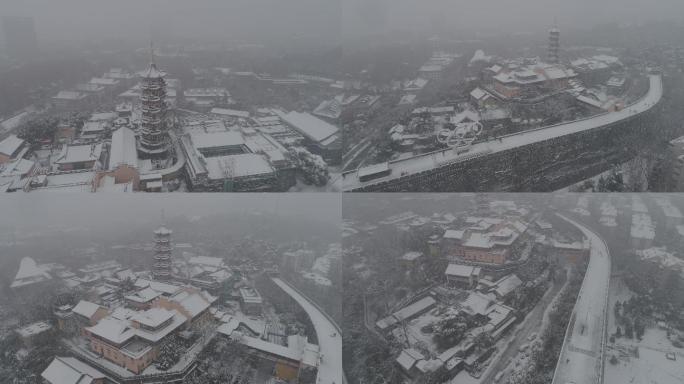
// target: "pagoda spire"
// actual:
[[152, 62]]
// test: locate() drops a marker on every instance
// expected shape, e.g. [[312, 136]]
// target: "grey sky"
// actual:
[[40, 210], [278, 20], [229, 20], [515, 15]]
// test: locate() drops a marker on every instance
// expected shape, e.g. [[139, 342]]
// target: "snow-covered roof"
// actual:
[[250, 295], [69, 370], [69, 95], [477, 303], [304, 352], [153, 317], [93, 127], [206, 260], [18, 167], [411, 256], [408, 358], [407, 312], [152, 72], [123, 149], [86, 309], [230, 112], [460, 270], [454, 234], [193, 303], [163, 231], [10, 145], [103, 81], [80, 153], [34, 329], [662, 257], [217, 139], [431, 68], [507, 285], [308, 125], [144, 295], [248, 164], [164, 288], [480, 56], [29, 272]]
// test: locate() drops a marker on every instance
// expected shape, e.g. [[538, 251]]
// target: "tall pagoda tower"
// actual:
[[154, 141], [161, 268], [554, 45]]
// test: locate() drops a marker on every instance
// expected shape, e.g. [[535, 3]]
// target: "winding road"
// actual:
[[328, 333], [582, 355]]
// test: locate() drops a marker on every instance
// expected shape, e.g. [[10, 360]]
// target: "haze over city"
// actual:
[[341, 192]]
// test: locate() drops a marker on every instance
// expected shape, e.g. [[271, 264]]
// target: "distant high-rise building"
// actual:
[[554, 45], [154, 141], [161, 268], [21, 42]]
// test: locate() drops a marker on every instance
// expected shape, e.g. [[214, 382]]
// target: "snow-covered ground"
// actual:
[[582, 353], [652, 366], [329, 337]]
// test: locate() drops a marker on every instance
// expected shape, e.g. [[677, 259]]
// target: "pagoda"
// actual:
[[161, 268], [154, 140]]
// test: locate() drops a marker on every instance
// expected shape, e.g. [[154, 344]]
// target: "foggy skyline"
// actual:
[[313, 21], [73, 211]]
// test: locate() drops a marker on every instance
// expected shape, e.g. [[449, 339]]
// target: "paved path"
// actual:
[[328, 333], [581, 357]]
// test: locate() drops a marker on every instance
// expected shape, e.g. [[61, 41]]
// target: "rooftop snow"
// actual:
[[34, 329], [230, 112], [193, 303], [217, 139], [10, 145], [248, 164], [68, 370], [123, 149], [86, 308], [206, 260], [153, 317], [80, 153], [460, 270], [29, 272], [308, 125], [152, 72]]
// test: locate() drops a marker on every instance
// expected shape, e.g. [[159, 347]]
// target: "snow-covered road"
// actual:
[[329, 337], [426, 162], [581, 357]]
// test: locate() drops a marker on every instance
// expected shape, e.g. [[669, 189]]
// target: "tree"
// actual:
[[483, 341], [629, 330], [613, 360], [639, 328], [618, 332], [169, 354], [313, 167], [450, 331], [40, 128]]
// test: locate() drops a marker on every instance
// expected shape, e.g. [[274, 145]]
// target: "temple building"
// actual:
[[161, 269], [154, 141]]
